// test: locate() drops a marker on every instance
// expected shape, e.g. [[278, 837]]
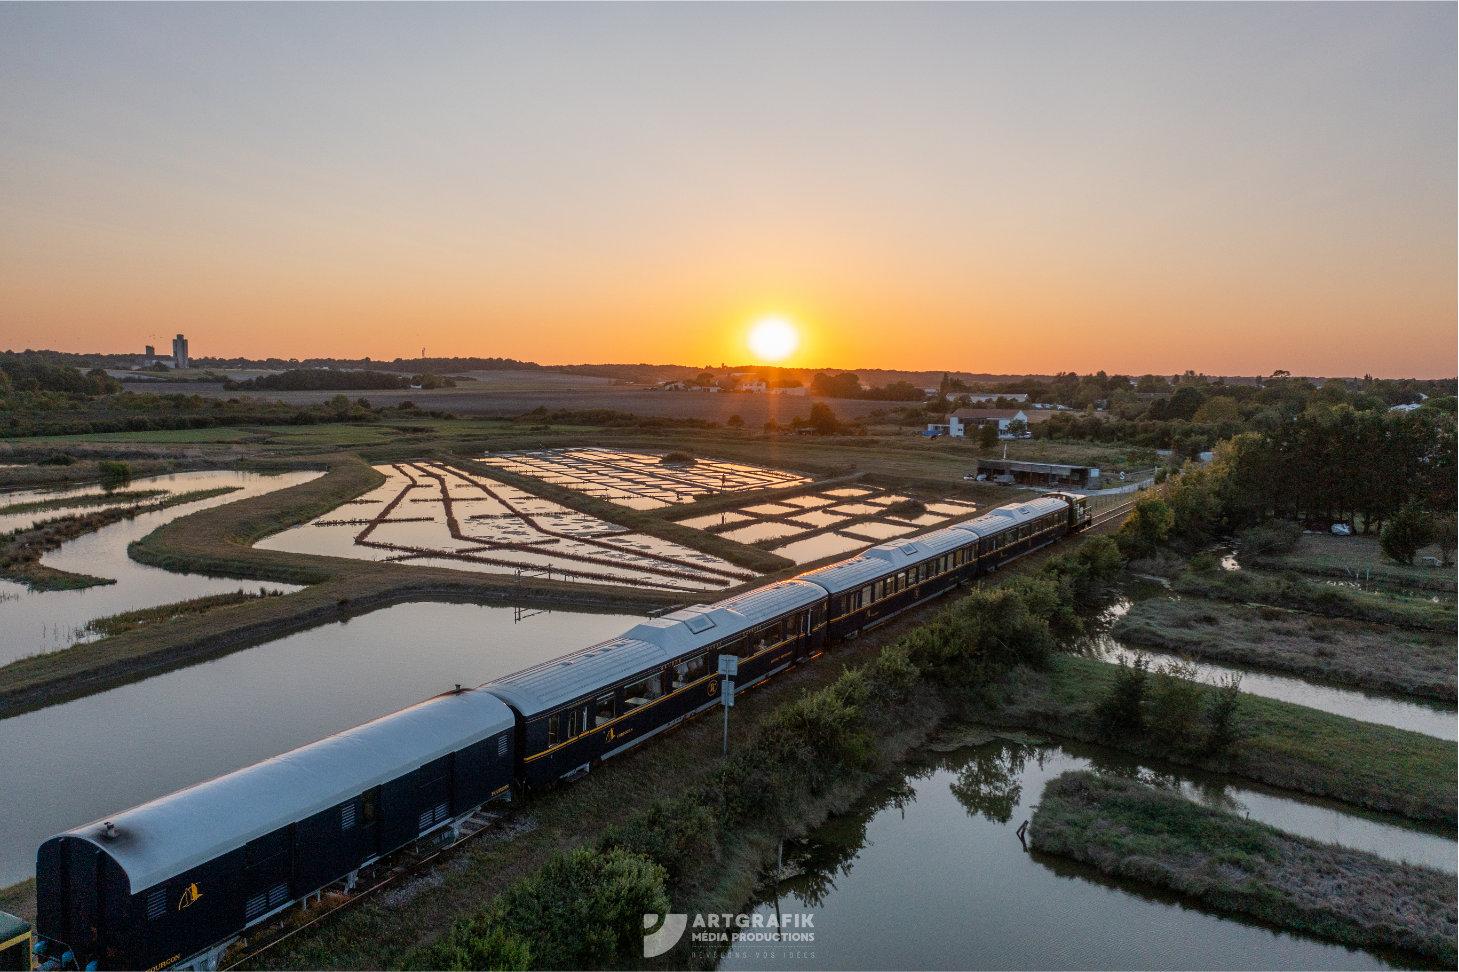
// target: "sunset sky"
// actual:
[[998, 188]]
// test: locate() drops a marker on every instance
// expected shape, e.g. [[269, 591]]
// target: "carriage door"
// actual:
[[267, 872], [83, 873], [433, 794]]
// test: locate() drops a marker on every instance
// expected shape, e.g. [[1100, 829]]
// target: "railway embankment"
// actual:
[[1134, 831]]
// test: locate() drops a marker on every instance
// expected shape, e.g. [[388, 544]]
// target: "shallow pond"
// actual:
[[928, 873], [640, 480], [75, 762], [431, 513], [39, 621], [819, 546], [1431, 719]]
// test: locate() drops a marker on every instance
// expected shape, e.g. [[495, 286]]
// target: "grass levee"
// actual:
[[1135, 831]]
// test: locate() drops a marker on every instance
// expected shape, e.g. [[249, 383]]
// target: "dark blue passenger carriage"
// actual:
[[172, 881], [869, 589], [594, 704], [1011, 531]]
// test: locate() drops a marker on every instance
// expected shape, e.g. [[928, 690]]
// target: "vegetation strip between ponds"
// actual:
[[1132, 830]]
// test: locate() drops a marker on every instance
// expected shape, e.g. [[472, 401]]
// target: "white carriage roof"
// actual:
[[886, 558], [172, 834], [648, 645], [1012, 515], [580, 673]]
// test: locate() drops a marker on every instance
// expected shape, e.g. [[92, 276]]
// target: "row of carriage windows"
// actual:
[[937, 566], [581, 718]]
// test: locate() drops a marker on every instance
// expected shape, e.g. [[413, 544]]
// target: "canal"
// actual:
[[73, 763], [927, 872], [40, 621]]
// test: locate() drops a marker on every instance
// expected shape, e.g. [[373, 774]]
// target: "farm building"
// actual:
[[971, 418], [1039, 473]]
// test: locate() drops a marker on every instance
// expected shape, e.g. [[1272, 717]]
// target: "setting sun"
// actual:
[[773, 338]]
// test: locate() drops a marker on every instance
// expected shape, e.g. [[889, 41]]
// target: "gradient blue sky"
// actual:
[[1231, 188]]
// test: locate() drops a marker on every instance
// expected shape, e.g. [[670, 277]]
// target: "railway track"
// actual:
[[1115, 512], [404, 864]]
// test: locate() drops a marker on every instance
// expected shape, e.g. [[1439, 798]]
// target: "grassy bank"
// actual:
[[1284, 745], [132, 620], [72, 502], [1329, 600], [1134, 831], [1354, 558], [1337, 650], [21, 550]]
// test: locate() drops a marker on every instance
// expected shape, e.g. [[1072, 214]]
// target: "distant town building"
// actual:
[[963, 419], [151, 352], [180, 357]]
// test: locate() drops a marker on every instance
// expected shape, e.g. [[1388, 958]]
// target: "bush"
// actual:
[[1173, 707], [1223, 706], [1270, 539], [1147, 527], [114, 473], [1122, 711], [1406, 534], [676, 834], [582, 910]]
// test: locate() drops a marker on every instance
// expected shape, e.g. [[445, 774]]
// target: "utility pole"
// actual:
[[729, 668]]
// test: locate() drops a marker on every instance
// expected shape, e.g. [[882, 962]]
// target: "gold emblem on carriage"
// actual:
[[189, 895]]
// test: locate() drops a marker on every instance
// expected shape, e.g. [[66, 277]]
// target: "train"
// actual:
[[174, 882]]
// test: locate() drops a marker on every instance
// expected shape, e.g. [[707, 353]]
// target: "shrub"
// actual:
[[1122, 711], [676, 834], [114, 473], [582, 910], [1223, 705], [1173, 707], [1405, 534], [907, 508], [1147, 527], [1277, 537]]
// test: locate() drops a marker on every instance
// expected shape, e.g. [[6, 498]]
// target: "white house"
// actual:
[[963, 419]]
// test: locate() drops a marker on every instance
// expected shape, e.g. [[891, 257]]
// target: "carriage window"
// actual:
[[369, 801], [690, 671], [572, 725], [642, 693], [605, 709], [552, 730]]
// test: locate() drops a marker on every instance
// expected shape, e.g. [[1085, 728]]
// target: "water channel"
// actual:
[[927, 872], [1417, 715], [39, 621], [72, 763]]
